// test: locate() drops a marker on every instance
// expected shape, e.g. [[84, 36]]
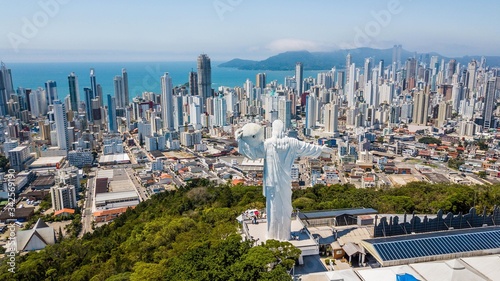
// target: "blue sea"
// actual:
[[143, 76]]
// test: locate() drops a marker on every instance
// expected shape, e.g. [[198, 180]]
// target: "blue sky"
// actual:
[[122, 30]]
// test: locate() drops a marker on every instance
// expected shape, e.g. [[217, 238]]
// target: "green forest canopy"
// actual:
[[191, 234]]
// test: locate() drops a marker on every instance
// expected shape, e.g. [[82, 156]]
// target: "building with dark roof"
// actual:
[[101, 185], [21, 214], [433, 246], [43, 182], [336, 217]]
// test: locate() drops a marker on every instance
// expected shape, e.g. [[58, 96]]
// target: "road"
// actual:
[[143, 195], [88, 205]]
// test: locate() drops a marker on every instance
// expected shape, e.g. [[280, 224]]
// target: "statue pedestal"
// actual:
[[300, 237]]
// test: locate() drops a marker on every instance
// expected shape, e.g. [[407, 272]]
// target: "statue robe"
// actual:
[[279, 155]]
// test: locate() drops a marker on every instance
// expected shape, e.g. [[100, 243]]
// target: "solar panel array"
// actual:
[[441, 245]]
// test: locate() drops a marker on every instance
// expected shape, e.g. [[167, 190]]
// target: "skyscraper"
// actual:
[[368, 69], [285, 112], [421, 105], [311, 102], [351, 86], [457, 95], [178, 112], [444, 113], [452, 65], [119, 93], [93, 84], [381, 69], [331, 118], [51, 91], [34, 103], [63, 197], [61, 125], [125, 88], [396, 55], [204, 77], [470, 79], [489, 104], [73, 91], [3, 96], [6, 88], [166, 102], [411, 72], [112, 125], [299, 77], [220, 111], [249, 91], [89, 96], [260, 80], [193, 83], [348, 62]]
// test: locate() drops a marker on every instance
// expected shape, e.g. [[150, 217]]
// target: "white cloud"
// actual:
[[288, 44]]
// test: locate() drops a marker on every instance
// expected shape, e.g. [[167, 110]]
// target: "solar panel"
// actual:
[[413, 247]]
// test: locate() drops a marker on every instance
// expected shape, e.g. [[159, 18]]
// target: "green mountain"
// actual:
[[191, 234], [327, 60]]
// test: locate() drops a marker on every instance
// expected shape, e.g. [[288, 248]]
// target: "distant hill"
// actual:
[[327, 60]]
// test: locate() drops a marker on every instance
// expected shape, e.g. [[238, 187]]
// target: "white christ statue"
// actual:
[[279, 153]]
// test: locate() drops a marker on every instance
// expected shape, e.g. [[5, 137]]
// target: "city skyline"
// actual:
[[56, 30]]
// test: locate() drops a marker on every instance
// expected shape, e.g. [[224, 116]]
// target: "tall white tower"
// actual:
[[119, 92], [285, 112], [220, 111], [299, 77], [167, 109], [249, 91], [351, 85], [331, 117], [61, 125], [125, 100]]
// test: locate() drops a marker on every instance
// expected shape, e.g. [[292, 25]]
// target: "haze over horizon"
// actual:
[[73, 31]]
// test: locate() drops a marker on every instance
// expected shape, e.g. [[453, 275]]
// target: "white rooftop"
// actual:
[[19, 148], [488, 265], [47, 161], [452, 270], [123, 157], [105, 174], [388, 273], [115, 196]]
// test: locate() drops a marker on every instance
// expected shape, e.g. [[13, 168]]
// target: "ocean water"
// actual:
[[143, 76]]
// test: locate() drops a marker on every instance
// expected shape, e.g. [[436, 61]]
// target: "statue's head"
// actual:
[[278, 129], [253, 134]]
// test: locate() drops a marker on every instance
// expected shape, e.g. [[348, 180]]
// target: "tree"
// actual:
[[482, 174], [482, 144], [87, 169], [455, 163], [4, 162], [173, 236], [429, 140], [60, 235]]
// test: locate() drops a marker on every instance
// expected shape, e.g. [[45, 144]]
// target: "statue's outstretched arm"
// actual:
[[250, 152], [304, 149]]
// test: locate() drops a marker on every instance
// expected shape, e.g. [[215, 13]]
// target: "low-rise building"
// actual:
[[36, 238], [80, 158], [19, 158], [63, 196]]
